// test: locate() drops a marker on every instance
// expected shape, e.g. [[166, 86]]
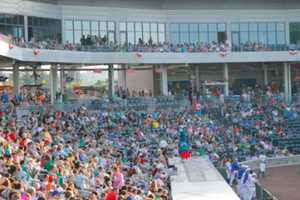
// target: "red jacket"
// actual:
[[111, 195]]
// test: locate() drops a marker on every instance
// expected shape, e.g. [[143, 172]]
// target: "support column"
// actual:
[[164, 80], [266, 81], [226, 80], [168, 35], [228, 31], [26, 28], [197, 79], [53, 83], [124, 76], [287, 30], [287, 82], [110, 81], [62, 84], [117, 36], [16, 76]]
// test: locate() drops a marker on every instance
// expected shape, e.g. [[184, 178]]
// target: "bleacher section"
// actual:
[[292, 141]]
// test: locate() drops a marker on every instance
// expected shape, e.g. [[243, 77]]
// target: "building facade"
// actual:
[[273, 23]]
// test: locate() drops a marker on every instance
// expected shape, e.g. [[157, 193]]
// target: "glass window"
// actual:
[[86, 25], [122, 26], [146, 27], [123, 37], [69, 36], [262, 37], [271, 27], [94, 25], [153, 27], [174, 28], [2, 19], [161, 37], [21, 20], [235, 37], [103, 33], [146, 36], [184, 27], [281, 37], [184, 37], [244, 27], [262, 27], [111, 36], [130, 26], [111, 26], [235, 27], [280, 27], [194, 28], [138, 27], [130, 37], [103, 26], [253, 36], [175, 37], [271, 38], [212, 37], [138, 35], [77, 25], [154, 37], [294, 33], [203, 28], [193, 37], [212, 27], [68, 24], [244, 37], [221, 27], [77, 36], [161, 27], [203, 37], [44, 29], [253, 27], [95, 33]]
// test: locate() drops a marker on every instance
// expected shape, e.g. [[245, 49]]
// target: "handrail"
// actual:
[[274, 162]]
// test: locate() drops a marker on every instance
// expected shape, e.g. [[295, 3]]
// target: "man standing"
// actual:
[[262, 166]]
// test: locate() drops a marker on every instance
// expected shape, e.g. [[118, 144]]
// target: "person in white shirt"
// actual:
[[262, 166]]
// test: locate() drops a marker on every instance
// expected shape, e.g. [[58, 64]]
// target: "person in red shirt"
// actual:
[[12, 136], [110, 195]]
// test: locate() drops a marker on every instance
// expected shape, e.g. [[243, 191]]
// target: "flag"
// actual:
[[97, 71], [293, 52], [139, 55], [10, 46], [130, 71], [158, 71], [223, 53], [36, 52]]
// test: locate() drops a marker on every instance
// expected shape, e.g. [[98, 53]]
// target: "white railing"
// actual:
[[275, 162]]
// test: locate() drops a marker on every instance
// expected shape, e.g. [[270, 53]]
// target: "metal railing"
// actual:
[[136, 103], [261, 192]]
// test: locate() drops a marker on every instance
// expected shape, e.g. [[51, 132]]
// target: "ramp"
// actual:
[[198, 179]]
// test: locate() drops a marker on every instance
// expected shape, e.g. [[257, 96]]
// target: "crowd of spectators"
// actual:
[[102, 44], [27, 96], [127, 154], [124, 93]]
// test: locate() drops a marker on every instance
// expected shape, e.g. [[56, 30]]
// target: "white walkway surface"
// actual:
[[198, 179]]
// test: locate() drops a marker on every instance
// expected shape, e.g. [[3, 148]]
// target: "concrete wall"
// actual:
[[161, 11], [140, 80], [179, 4]]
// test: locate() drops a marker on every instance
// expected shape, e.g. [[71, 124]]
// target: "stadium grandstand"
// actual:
[[149, 100]]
